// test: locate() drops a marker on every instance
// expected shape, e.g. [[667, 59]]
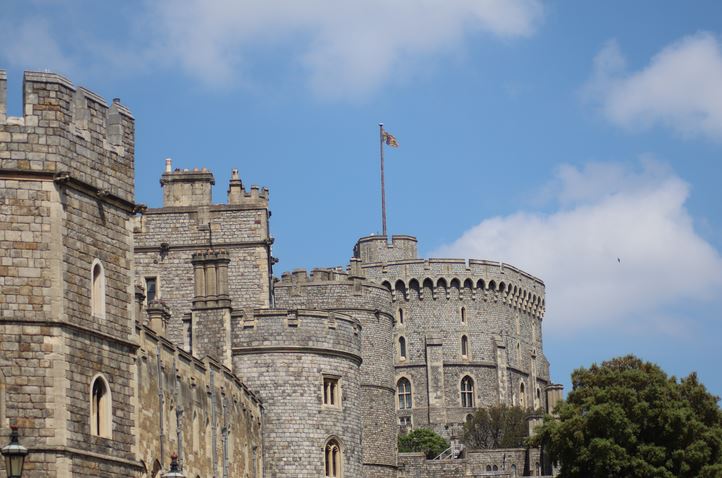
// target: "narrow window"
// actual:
[[402, 348], [150, 289], [522, 396], [100, 408], [97, 295], [404, 391], [331, 392], [333, 459], [464, 346], [467, 392], [401, 316], [513, 471], [538, 398], [463, 315]]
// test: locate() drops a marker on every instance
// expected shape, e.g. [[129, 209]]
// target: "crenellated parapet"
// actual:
[[298, 331], [378, 248], [238, 195], [71, 132], [444, 279]]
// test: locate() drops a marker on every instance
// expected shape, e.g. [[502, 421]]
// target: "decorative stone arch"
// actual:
[[387, 285], [404, 379], [502, 287], [443, 286], [428, 284], [492, 285], [400, 286], [481, 285], [333, 457], [101, 407], [97, 289], [455, 289], [467, 390], [415, 288]]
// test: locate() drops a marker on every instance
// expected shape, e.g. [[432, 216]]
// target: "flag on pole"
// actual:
[[390, 140]]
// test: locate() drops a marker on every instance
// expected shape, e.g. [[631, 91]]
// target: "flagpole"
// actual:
[[383, 189]]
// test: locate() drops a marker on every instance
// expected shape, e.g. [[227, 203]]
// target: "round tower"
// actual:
[[349, 293], [305, 367], [467, 334]]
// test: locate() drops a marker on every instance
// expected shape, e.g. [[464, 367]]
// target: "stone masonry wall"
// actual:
[[496, 307], [241, 230], [66, 193], [185, 405], [370, 304], [283, 356]]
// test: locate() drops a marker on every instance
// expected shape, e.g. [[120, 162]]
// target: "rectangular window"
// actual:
[[331, 395], [151, 284]]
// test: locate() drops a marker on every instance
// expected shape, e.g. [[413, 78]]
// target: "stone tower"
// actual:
[[369, 304], [66, 309], [467, 334]]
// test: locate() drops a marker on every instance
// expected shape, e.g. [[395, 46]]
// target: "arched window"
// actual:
[[155, 472], [488, 467], [401, 316], [463, 315], [513, 471], [403, 387], [522, 395], [333, 459], [97, 295], [495, 468], [101, 412], [402, 348], [464, 346], [467, 392]]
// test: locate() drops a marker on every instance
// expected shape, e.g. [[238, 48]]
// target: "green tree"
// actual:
[[628, 419], [423, 440], [499, 426]]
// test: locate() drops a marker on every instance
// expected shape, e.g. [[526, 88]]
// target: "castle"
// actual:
[[130, 333]]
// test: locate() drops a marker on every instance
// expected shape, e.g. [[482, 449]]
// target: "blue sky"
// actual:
[[557, 136]]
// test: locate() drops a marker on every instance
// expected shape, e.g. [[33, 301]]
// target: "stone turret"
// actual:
[[185, 187]]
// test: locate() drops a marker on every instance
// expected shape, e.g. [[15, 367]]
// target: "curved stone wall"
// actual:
[[370, 304], [284, 356], [457, 319]]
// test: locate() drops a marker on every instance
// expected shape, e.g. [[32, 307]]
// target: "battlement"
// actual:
[[186, 187], [316, 275], [435, 279], [69, 130], [378, 249], [297, 330]]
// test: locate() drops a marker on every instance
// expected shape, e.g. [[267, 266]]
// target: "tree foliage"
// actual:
[[499, 426], [628, 419], [423, 440]]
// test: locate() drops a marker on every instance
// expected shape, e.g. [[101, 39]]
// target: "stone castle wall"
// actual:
[[66, 171], [166, 239], [437, 303], [368, 303], [284, 355], [197, 409]]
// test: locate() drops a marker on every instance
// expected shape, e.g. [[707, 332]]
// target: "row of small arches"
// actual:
[[468, 287]]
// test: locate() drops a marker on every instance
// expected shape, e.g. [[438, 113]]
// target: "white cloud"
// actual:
[[681, 88], [344, 47], [608, 212]]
